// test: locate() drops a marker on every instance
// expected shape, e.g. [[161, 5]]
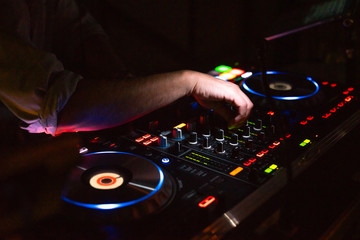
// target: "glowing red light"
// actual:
[[247, 163], [341, 104], [345, 92], [207, 201], [310, 118], [348, 99], [325, 83], [276, 143], [289, 135], [303, 122], [350, 89], [260, 154], [252, 160], [272, 146], [333, 85], [326, 115], [146, 136], [333, 110], [154, 139], [148, 142], [95, 140], [112, 145], [271, 113], [140, 139]]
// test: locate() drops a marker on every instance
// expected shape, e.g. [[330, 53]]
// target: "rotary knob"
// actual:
[[220, 147], [219, 136], [246, 132], [177, 147], [206, 143], [193, 138], [163, 141], [258, 125], [177, 133], [234, 139]]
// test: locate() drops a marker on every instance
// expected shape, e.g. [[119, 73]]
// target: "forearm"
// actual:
[[102, 104]]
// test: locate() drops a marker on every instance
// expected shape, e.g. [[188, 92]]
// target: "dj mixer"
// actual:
[[180, 173]]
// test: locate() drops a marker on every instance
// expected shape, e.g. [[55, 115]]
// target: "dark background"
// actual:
[[159, 36]]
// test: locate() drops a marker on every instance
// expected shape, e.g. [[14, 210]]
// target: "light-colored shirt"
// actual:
[[33, 33]]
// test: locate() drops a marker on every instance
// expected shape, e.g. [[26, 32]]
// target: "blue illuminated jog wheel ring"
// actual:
[[144, 180], [306, 80]]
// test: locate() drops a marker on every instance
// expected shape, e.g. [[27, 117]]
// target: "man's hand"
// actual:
[[223, 97]]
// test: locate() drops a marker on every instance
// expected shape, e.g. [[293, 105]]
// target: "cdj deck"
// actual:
[[179, 173]]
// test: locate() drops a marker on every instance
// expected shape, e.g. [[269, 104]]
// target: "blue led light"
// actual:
[[165, 160], [109, 206], [247, 88]]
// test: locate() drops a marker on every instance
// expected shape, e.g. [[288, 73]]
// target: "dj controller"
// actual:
[[180, 173]]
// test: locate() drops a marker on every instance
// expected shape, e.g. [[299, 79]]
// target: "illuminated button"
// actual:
[[83, 150], [140, 139], [310, 118], [181, 125], [348, 99], [333, 85], [154, 139], [268, 170], [305, 142], [325, 83], [345, 92], [146, 136], [326, 115], [247, 163], [165, 160], [222, 68], [227, 76], [276, 143], [273, 166], [236, 171], [236, 71], [148, 142], [252, 160], [247, 74], [350, 89], [303, 122], [95, 140], [207, 201]]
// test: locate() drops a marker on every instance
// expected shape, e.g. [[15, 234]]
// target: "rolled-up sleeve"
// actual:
[[33, 84]]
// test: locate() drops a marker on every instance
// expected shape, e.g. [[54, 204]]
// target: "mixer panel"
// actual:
[[214, 176]]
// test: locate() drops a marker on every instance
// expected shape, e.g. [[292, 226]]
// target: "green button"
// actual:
[[268, 170], [223, 68]]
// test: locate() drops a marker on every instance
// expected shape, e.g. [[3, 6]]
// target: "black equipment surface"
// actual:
[[213, 178]]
